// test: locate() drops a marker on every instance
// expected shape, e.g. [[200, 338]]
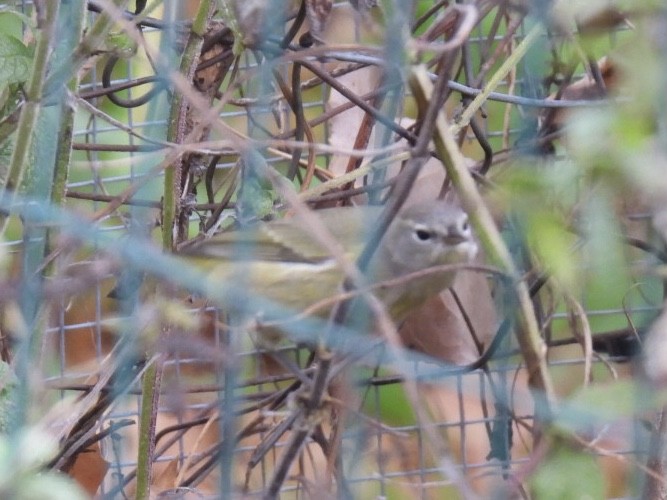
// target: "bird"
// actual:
[[283, 263]]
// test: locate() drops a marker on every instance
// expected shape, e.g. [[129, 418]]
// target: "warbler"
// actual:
[[282, 262]]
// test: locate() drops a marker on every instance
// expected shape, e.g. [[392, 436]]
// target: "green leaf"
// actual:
[[49, 486], [15, 60], [22, 472], [549, 236], [604, 403], [8, 387], [568, 474], [607, 273], [13, 21], [390, 405]]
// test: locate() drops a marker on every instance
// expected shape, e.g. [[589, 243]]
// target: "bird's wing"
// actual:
[[288, 241], [347, 225]]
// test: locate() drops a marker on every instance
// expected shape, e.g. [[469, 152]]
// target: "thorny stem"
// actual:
[[177, 127], [34, 94], [149, 409]]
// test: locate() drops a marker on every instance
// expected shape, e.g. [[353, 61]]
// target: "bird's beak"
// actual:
[[454, 238]]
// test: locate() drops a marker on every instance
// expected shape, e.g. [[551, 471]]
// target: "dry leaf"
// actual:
[[89, 469], [586, 88], [344, 127]]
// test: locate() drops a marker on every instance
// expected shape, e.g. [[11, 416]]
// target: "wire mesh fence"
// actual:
[[170, 123]]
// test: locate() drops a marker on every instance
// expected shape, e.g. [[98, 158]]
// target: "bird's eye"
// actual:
[[423, 235], [465, 226]]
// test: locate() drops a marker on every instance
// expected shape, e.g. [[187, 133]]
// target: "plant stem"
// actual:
[[528, 335], [178, 128]]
